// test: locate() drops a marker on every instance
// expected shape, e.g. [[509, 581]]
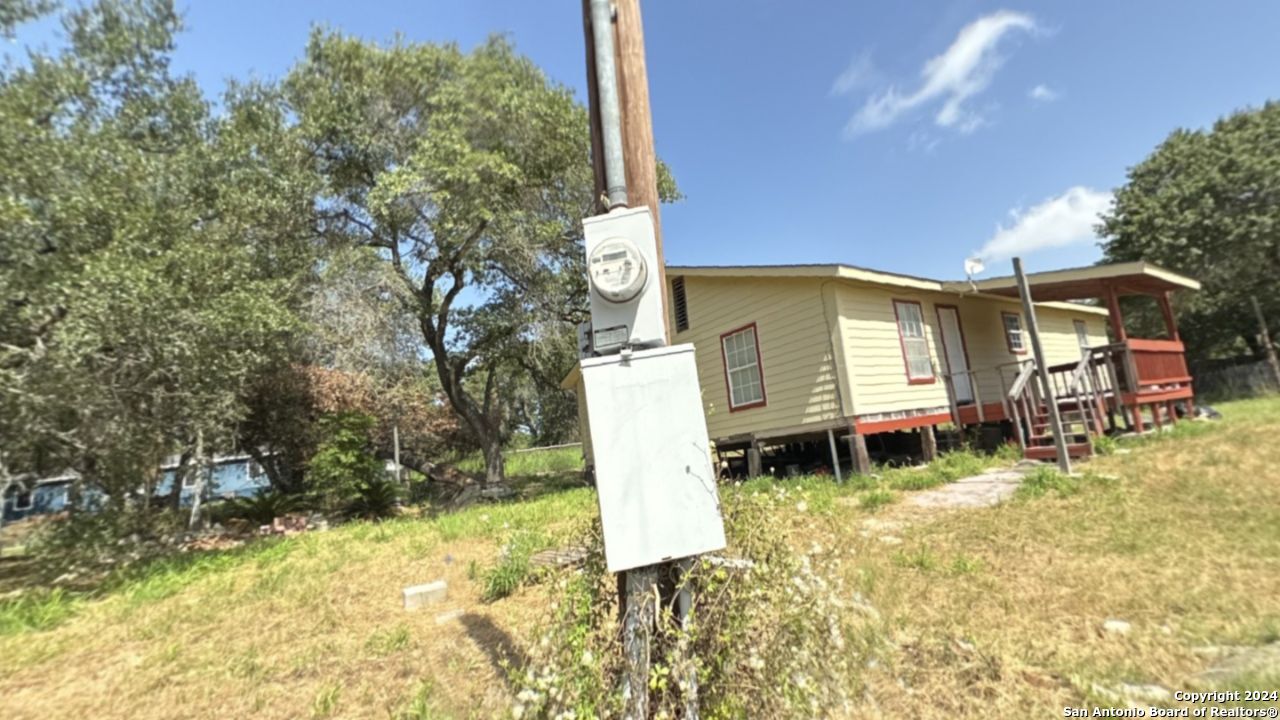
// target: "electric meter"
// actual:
[[617, 270], [622, 267]]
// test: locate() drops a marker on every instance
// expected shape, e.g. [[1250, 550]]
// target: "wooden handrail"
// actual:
[[1019, 384]]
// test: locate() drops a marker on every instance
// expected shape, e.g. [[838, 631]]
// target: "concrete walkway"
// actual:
[[986, 490]]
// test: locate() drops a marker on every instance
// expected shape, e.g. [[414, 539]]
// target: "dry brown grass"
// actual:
[[983, 613], [313, 627], [998, 613]]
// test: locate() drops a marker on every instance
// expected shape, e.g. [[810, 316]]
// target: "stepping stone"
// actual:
[[429, 594]]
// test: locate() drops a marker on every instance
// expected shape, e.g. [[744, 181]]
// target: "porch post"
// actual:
[[835, 454], [1114, 315], [753, 458], [1166, 309], [928, 443], [858, 451], [1042, 369]]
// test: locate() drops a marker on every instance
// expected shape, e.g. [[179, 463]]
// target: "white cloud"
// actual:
[[964, 70], [860, 73], [1063, 220], [1043, 93]]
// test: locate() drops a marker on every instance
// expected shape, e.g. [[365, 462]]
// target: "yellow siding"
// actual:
[[984, 334], [873, 351], [584, 425], [795, 350]]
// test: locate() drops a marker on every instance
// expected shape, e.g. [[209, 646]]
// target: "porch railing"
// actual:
[[1136, 365]]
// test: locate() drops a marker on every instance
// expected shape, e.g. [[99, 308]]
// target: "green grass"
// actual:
[[389, 640], [985, 613], [875, 498], [40, 610], [512, 568], [526, 463], [326, 701], [36, 611]]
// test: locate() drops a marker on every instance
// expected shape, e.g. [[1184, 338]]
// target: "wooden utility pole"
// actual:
[[1264, 337], [1042, 370], [637, 129], [638, 588]]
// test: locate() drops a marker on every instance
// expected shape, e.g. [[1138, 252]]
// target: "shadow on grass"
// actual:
[[496, 643]]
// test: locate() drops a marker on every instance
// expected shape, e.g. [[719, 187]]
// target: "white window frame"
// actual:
[[754, 364], [1082, 334], [913, 337], [1010, 334], [17, 500]]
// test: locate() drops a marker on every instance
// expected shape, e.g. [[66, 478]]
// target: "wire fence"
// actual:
[[1244, 378]]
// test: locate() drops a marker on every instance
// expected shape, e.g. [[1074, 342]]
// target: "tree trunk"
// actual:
[[494, 467], [202, 470], [1264, 339], [179, 475]]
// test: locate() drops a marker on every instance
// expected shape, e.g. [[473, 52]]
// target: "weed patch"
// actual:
[[513, 568], [37, 611]]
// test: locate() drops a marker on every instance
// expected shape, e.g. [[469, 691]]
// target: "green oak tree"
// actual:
[[153, 256], [1207, 203], [469, 173]]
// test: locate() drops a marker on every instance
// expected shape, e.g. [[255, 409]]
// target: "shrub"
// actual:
[[375, 500], [344, 460], [261, 508], [86, 543], [773, 639]]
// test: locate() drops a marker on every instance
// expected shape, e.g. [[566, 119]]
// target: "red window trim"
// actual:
[[902, 343], [1005, 329], [724, 364], [964, 342]]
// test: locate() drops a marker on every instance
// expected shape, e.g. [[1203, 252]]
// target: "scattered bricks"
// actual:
[[429, 594], [565, 557]]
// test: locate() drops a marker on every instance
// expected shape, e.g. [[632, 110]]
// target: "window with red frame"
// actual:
[[915, 345], [742, 368]]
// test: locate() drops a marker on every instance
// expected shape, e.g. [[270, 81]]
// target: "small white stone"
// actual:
[[1116, 627], [428, 594]]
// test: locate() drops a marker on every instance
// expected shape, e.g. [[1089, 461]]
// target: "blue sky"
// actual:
[[903, 136]]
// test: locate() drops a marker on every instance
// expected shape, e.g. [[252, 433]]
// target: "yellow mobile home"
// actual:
[[857, 363]]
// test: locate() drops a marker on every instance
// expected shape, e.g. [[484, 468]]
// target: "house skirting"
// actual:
[[873, 423]]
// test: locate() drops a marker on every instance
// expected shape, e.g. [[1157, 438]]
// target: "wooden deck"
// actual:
[[1109, 387]]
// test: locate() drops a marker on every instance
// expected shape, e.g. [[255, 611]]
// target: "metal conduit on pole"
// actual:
[[610, 110]]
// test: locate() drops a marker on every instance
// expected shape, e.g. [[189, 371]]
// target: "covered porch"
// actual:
[[1123, 379]]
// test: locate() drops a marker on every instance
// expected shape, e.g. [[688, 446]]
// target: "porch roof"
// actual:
[[1130, 278]]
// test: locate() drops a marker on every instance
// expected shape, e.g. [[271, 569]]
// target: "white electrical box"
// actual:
[[653, 468], [622, 272]]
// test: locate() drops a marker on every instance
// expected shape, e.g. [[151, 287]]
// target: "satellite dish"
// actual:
[[973, 266]]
